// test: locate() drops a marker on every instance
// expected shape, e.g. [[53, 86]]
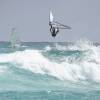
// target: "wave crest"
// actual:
[[72, 68]]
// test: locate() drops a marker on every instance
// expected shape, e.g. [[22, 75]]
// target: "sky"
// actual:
[[31, 18]]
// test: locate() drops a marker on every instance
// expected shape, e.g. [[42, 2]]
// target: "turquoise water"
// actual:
[[50, 71]]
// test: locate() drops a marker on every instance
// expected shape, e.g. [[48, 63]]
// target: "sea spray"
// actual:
[[50, 70]]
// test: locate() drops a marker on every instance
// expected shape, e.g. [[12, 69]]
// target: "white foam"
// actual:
[[47, 48], [60, 47], [81, 45], [33, 60]]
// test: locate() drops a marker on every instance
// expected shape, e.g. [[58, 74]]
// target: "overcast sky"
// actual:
[[31, 18]]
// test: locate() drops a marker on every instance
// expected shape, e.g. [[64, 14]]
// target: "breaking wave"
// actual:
[[79, 62]]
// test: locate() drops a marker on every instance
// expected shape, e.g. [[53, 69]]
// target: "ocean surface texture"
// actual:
[[50, 71]]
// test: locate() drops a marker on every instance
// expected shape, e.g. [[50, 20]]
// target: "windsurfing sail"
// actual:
[[15, 38], [51, 17], [56, 24]]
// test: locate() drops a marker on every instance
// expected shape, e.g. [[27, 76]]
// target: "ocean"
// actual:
[[50, 71]]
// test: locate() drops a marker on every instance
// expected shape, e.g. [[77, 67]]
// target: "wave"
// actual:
[[81, 45], [84, 67]]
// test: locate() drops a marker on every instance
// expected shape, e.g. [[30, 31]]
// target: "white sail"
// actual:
[[15, 39], [51, 17], [55, 24]]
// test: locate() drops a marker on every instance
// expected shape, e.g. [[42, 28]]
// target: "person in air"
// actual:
[[53, 30], [55, 26]]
